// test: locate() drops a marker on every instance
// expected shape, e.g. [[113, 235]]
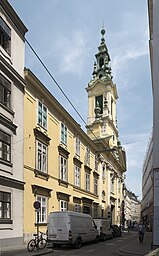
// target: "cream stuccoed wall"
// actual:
[[56, 114]]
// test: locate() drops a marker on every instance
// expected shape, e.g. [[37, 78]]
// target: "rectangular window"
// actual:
[[88, 155], [112, 185], [103, 170], [77, 208], [42, 115], [43, 209], [5, 146], [95, 211], [63, 205], [41, 157], [99, 103], [5, 91], [5, 36], [5, 205], [63, 168], [87, 181], [95, 186], [96, 162], [77, 176], [63, 133], [77, 146], [119, 185]]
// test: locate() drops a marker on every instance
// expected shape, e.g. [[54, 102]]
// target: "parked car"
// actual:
[[116, 230], [104, 228], [72, 228]]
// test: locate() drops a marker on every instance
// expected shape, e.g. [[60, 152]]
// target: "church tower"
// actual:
[[102, 96], [102, 129]]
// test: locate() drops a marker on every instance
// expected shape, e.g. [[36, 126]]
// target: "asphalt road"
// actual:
[[106, 248]]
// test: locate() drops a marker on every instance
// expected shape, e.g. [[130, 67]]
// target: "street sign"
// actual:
[[37, 205]]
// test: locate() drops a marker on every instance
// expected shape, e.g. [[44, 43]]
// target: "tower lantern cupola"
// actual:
[[102, 69]]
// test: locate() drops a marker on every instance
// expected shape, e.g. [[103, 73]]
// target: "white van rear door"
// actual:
[[58, 228]]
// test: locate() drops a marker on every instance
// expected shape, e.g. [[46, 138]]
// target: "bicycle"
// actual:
[[39, 242]]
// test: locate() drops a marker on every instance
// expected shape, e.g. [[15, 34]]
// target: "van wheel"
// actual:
[[97, 239], [104, 238], [78, 243]]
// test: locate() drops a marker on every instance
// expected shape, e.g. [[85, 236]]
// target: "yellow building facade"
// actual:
[[65, 168], [60, 168]]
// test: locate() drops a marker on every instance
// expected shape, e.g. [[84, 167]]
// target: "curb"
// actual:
[[47, 251], [126, 253], [132, 253]]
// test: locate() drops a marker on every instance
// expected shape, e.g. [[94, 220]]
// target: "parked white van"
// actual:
[[66, 227], [104, 229]]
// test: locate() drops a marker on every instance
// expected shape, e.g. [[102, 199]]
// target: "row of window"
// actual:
[[5, 207], [42, 159]]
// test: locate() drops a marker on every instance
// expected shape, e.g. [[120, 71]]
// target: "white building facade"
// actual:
[[12, 32], [147, 188], [153, 11]]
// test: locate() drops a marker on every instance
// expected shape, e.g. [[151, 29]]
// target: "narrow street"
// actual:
[[124, 245]]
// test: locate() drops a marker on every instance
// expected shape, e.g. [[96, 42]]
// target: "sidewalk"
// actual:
[[135, 247], [22, 250]]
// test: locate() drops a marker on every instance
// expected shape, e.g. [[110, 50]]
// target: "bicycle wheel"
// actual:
[[42, 243], [31, 245]]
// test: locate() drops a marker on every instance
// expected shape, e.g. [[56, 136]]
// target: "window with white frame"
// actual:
[[41, 163], [5, 205], [5, 36], [77, 176], [87, 155], [87, 181], [64, 133], [77, 208], [5, 146], [77, 145], [5, 91], [96, 162], [42, 115], [42, 213], [63, 205], [95, 186], [112, 185], [119, 185], [103, 195], [103, 171], [63, 168]]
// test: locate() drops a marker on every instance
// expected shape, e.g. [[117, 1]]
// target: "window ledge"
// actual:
[[63, 183], [39, 134], [95, 172], [41, 224], [63, 150], [77, 160], [7, 109], [87, 166], [41, 175], [6, 221], [6, 163]]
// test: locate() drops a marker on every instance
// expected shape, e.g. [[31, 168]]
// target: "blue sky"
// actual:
[[66, 35]]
